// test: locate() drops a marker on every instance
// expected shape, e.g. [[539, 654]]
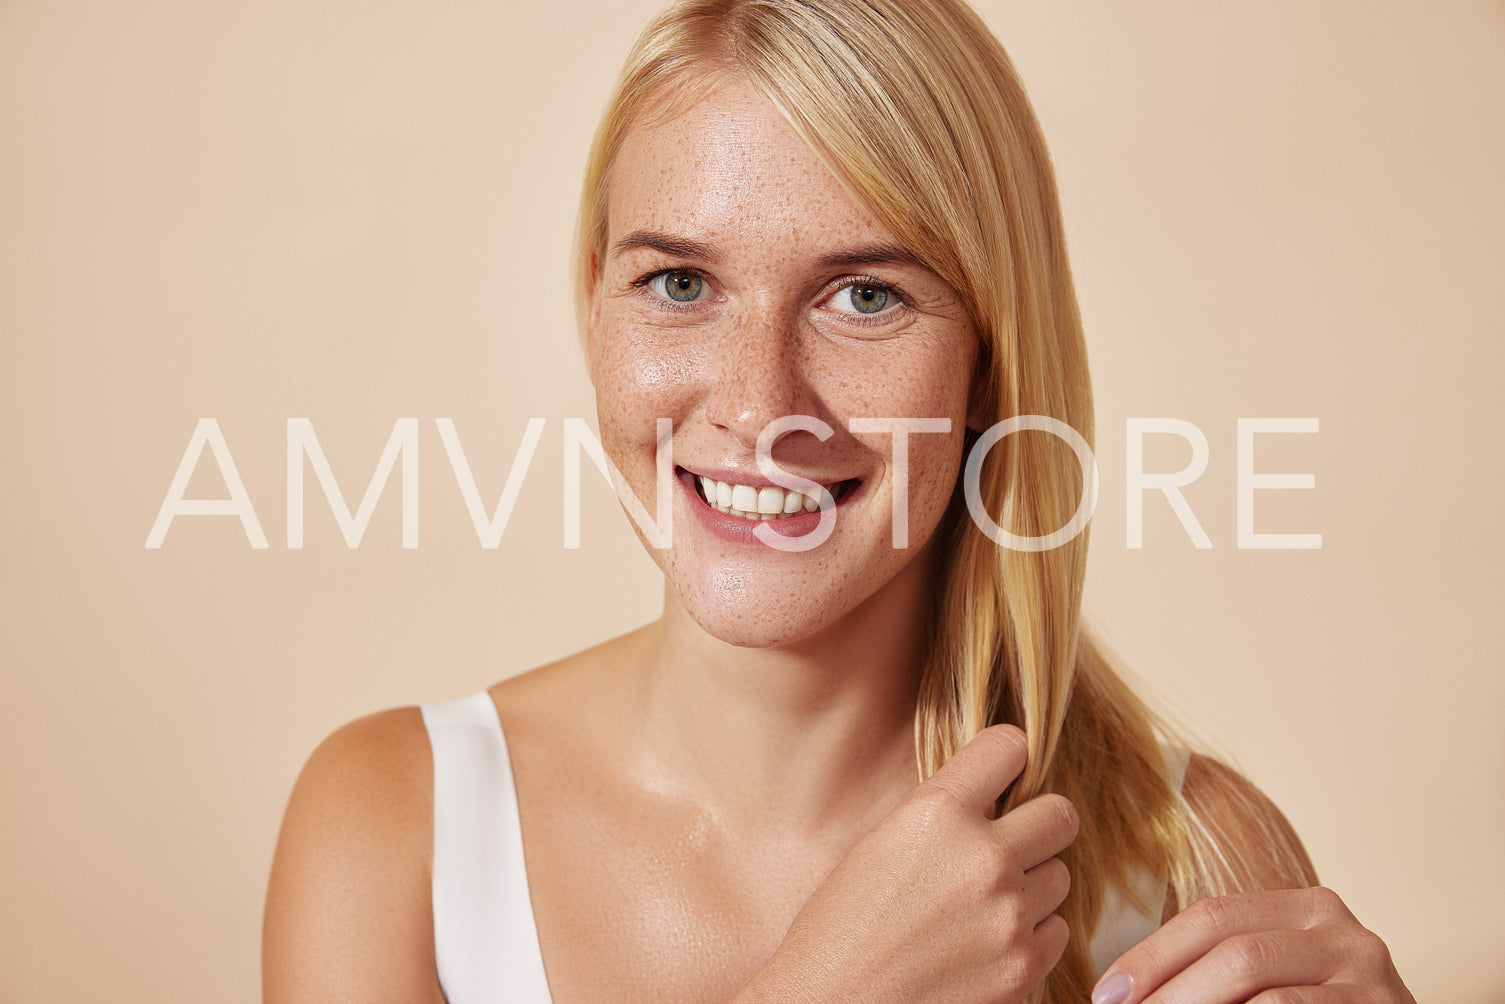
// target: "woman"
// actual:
[[842, 211]]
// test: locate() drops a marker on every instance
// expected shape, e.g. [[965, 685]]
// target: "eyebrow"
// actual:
[[871, 254], [674, 247]]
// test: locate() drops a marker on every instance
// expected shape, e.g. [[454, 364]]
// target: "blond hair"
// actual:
[[916, 109]]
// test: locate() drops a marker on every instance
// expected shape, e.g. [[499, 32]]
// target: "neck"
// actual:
[[822, 728]]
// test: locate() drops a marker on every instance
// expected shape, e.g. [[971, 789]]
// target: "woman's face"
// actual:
[[740, 284]]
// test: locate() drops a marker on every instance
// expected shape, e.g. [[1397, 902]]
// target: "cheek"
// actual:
[[637, 382], [931, 491], [937, 385], [934, 384], [933, 468]]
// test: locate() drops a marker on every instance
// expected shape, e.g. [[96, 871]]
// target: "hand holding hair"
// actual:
[[938, 901], [1293, 946]]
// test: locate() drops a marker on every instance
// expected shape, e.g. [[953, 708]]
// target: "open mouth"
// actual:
[[764, 502]]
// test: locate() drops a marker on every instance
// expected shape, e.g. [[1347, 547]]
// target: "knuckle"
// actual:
[[998, 861], [1217, 914], [1327, 904], [934, 805], [1032, 968], [1050, 940], [1004, 926], [1061, 873], [1070, 820], [1005, 732], [1369, 950], [1246, 957], [1004, 740], [1069, 816], [1018, 969], [1057, 879], [1148, 958], [1056, 936], [979, 870]]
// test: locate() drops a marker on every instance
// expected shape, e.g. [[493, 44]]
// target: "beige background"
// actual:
[[356, 212]]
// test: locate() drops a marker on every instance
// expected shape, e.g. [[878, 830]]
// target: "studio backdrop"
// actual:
[[229, 227]]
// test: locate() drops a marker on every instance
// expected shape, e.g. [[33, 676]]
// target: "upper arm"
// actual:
[[348, 911], [1240, 841]]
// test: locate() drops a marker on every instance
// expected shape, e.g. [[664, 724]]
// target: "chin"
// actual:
[[732, 611], [744, 634]]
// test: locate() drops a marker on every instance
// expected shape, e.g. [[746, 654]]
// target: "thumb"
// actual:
[[978, 773]]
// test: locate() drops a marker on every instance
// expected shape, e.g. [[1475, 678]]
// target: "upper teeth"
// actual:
[[768, 502]]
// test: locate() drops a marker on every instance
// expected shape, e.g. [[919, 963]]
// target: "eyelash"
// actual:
[[881, 316], [643, 282]]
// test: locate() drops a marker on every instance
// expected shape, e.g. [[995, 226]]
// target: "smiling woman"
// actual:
[[849, 771], [772, 330]]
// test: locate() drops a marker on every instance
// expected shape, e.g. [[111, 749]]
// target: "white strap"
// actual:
[[485, 941]]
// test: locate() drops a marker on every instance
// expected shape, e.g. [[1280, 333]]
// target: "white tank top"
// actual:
[[485, 941]]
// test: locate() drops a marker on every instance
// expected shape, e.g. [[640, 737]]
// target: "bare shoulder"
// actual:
[[377, 769], [348, 913], [1240, 840]]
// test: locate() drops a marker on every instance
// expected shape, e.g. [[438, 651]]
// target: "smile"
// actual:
[[766, 502]]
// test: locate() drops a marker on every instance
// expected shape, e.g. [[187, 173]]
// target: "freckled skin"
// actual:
[[685, 788], [768, 339]]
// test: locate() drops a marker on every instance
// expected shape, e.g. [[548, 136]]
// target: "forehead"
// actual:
[[727, 168]]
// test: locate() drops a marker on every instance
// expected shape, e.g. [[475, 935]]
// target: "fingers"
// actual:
[[1039, 829], [1244, 965], [1045, 889], [980, 771], [1051, 937], [1230, 948]]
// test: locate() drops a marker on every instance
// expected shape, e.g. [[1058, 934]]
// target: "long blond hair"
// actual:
[[916, 109]]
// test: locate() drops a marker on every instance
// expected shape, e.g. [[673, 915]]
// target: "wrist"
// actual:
[[789, 977]]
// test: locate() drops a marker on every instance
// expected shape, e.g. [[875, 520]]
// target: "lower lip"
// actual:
[[737, 530]]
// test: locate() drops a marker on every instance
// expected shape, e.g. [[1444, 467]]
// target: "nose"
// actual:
[[759, 375]]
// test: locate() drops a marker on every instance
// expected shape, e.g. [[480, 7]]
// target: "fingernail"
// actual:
[[1114, 989]]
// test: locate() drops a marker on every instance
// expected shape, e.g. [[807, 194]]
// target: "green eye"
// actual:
[[684, 287], [867, 299]]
